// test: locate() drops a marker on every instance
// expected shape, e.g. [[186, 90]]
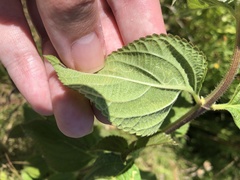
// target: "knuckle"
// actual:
[[79, 13]]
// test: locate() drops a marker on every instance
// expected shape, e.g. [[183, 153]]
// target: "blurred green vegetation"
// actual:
[[210, 149]]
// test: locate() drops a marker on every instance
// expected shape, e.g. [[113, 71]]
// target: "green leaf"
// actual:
[[197, 4], [29, 173], [39, 163], [62, 153], [112, 143], [154, 140], [63, 176], [181, 107], [143, 142], [29, 115], [17, 132], [233, 106], [3, 175], [111, 166], [203, 4], [140, 82], [148, 175], [132, 173]]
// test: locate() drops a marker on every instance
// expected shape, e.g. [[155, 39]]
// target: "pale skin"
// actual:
[[81, 33]]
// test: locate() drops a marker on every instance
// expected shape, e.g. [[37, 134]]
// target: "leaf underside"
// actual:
[[140, 82]]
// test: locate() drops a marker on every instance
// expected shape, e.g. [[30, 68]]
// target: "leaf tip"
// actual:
[[52, 59]]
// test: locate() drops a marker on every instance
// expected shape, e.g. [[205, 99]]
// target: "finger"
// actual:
[[20, 57], [137, 18], [75, 31], [72, 111], [112, 36]]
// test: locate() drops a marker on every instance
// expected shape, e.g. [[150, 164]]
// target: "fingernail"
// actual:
[[87, 53]]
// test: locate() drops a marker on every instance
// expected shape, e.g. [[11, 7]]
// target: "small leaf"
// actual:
[[3, 175], [63, 176], [30, 173], [143, 142], [203, 4], [132, 173], [154, 140], [62, 153], [197, 4], [140, 82], [233, 106], [113, 143], [29, 115], [39, 163], [17, 132], [111, 166]]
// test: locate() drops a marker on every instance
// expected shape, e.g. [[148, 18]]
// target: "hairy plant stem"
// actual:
[[206, 103]]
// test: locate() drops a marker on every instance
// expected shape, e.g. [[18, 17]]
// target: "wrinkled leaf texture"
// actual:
[[140, 82]]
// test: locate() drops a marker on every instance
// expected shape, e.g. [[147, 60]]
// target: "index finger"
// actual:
[[137, 18]]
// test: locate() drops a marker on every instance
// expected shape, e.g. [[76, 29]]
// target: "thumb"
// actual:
[[75, 31]]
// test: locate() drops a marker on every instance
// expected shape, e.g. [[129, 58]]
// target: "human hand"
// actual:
[[81, 33]]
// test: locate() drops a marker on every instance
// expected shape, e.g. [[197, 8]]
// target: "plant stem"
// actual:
[[206, 104], [233, 69], [184, 119], [225, 83]]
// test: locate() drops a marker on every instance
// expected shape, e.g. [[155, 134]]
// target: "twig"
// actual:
[[206, 103], [11, 167]]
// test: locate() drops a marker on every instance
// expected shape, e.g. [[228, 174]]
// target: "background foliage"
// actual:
[[31, 149]]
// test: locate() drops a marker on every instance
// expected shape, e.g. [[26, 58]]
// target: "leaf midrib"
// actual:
[[163, 86]]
